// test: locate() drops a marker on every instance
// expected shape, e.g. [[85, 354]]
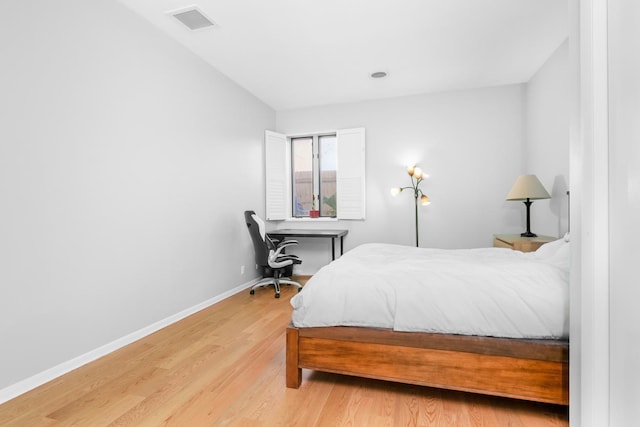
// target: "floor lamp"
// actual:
[[416, 176], [526, 189]]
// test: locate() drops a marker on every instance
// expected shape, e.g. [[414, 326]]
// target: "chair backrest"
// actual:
[[262, 244]]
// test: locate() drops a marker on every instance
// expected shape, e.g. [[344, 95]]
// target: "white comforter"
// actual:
[[489, 292]]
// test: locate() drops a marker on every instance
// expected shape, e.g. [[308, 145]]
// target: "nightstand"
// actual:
[[519, 243]]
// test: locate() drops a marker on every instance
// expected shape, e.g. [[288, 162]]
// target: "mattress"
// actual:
[[486, 292]]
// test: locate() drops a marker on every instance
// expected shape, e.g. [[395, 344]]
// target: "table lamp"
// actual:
[[526, 189]]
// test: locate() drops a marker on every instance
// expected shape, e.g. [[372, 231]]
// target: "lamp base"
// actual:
[[528, 233]]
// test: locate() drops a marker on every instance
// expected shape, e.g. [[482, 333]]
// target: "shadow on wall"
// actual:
[[559, 203]]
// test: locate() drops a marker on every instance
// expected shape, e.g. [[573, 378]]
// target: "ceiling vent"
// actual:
[[193, 18]]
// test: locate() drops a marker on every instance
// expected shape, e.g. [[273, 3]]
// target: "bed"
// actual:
[[490, 320]]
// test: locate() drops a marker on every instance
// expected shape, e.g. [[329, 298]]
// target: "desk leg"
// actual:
[[333, 248], [341, 245]]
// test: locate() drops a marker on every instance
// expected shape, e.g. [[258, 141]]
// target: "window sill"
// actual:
[[321, 219]]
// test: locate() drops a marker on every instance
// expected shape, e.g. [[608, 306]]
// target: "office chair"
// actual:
[[273, 263]]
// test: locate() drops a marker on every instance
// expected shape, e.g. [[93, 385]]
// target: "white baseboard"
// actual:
[[43, 377]]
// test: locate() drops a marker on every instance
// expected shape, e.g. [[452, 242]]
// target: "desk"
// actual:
[[333, 234]]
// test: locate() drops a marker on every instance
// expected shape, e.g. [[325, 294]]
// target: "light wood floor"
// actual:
[[225, 366]]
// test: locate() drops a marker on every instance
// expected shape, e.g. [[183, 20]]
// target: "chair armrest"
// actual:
[[278, 261], [283, 245], [287, 243], [286, 257]]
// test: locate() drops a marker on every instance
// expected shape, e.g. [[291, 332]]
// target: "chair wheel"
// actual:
[[277, 295], [252, 291]]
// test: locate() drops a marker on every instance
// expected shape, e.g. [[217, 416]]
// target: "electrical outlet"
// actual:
[[242, 269]]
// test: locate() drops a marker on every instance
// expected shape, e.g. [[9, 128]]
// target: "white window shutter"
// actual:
[[351, 173], [277, 180]]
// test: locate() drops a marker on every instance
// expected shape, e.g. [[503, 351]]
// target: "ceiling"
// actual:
[[301, 53]]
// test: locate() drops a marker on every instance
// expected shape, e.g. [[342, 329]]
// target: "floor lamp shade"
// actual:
[[526, 189]]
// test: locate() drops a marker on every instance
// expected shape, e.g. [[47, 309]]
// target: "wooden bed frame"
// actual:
[[536, 370]]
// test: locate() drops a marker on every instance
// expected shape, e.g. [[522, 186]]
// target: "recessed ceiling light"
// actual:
[[378, 75], [193, 18]]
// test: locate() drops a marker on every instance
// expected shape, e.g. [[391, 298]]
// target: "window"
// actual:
[[302, 179], [329, 166], [314, 165], [328, 161]]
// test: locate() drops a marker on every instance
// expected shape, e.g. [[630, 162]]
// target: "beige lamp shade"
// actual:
[[528, 187]]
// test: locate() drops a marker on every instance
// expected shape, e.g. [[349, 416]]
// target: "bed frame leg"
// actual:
[[294, 373]]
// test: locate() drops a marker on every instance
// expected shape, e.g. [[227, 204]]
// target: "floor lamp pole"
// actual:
[[417, 241]]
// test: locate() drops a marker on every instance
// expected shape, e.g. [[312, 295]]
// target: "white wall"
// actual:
[[589, 164], [119, 203], [470, 143], [624, 208], [547, 142], [605, 172]]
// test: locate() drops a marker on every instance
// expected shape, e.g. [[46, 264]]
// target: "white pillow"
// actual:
[[561, 257], [562, 252], [549, 249]]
